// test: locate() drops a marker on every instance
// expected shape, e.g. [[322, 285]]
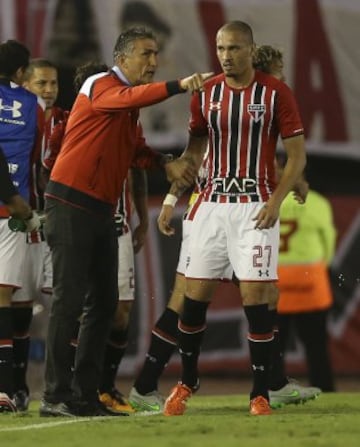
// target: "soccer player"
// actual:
[[40, 78], [235, 222], [101, 141], [19, 134], [144, 395]]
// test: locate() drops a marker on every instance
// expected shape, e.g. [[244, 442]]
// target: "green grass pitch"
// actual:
[[333, 420]]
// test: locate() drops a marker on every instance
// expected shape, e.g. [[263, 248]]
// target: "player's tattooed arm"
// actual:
[[195, 150]]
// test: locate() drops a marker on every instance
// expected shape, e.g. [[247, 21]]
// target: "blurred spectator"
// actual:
[[307, 243]]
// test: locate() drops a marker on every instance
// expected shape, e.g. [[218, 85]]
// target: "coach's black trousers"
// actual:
[[85, 265]]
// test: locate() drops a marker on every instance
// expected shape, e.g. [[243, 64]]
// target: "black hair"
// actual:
[[13, 55], [84, 71], [37, 63]]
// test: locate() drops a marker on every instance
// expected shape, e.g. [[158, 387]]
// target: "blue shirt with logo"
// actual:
[[18, 124]]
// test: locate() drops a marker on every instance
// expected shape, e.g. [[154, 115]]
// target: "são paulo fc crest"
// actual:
[[256, 111]]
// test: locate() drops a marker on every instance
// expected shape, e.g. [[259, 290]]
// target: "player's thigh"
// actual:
[[200, 289], [176, 301], [184, 248], [122, 315], [256, 292], [33, 274], [12, 256], [126, 274], [253, 253], [208, 245], [274, 296]]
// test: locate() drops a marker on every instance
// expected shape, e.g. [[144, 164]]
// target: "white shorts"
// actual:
[[48, 270], [184, 252], [184, 247], [33, 273], [223, 235], [126, 273], [12, 256]]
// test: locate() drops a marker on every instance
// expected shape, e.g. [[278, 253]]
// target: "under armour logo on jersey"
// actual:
[[15, 108], [256, 111], [215, 106], [263, 273], [258, 367]]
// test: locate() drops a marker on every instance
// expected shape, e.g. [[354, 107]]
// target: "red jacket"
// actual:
[[102, 140]]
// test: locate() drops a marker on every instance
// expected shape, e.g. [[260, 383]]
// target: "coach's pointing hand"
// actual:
[[195, 82]]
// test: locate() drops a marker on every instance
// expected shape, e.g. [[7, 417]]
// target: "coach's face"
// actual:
[[235, 52], [140, 63]]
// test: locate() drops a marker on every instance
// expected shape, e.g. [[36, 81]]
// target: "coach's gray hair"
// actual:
[[125, 41]]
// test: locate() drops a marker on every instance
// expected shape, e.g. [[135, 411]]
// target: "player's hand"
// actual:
[[195, 82], [139, 236], [164, 220], [300, 191], [267, 216], [18, 207], [34, 223], [182, 170]]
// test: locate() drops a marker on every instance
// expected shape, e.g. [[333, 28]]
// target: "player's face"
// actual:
[[276, 69], [44, 83], [139, 65], [234, 52]]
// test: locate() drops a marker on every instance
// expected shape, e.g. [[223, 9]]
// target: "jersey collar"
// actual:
[[120, 75]]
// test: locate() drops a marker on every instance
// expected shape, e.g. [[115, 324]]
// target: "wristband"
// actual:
[[170, 199]]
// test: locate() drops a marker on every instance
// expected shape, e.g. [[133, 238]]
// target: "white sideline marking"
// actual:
[[146, 413], [42, 425], [47, 424]]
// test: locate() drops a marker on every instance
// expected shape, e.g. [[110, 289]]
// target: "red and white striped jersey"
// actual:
[[123, 211], [39, 155], [243, 126], [202, 176]]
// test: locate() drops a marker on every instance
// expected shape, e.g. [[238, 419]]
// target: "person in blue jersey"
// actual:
[[9, 195], [40, 78], [19, 115]]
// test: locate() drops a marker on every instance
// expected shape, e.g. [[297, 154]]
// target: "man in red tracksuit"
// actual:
[[101, 143]]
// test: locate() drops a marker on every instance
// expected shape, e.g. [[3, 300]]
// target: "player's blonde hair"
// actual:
[[265, 56]]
